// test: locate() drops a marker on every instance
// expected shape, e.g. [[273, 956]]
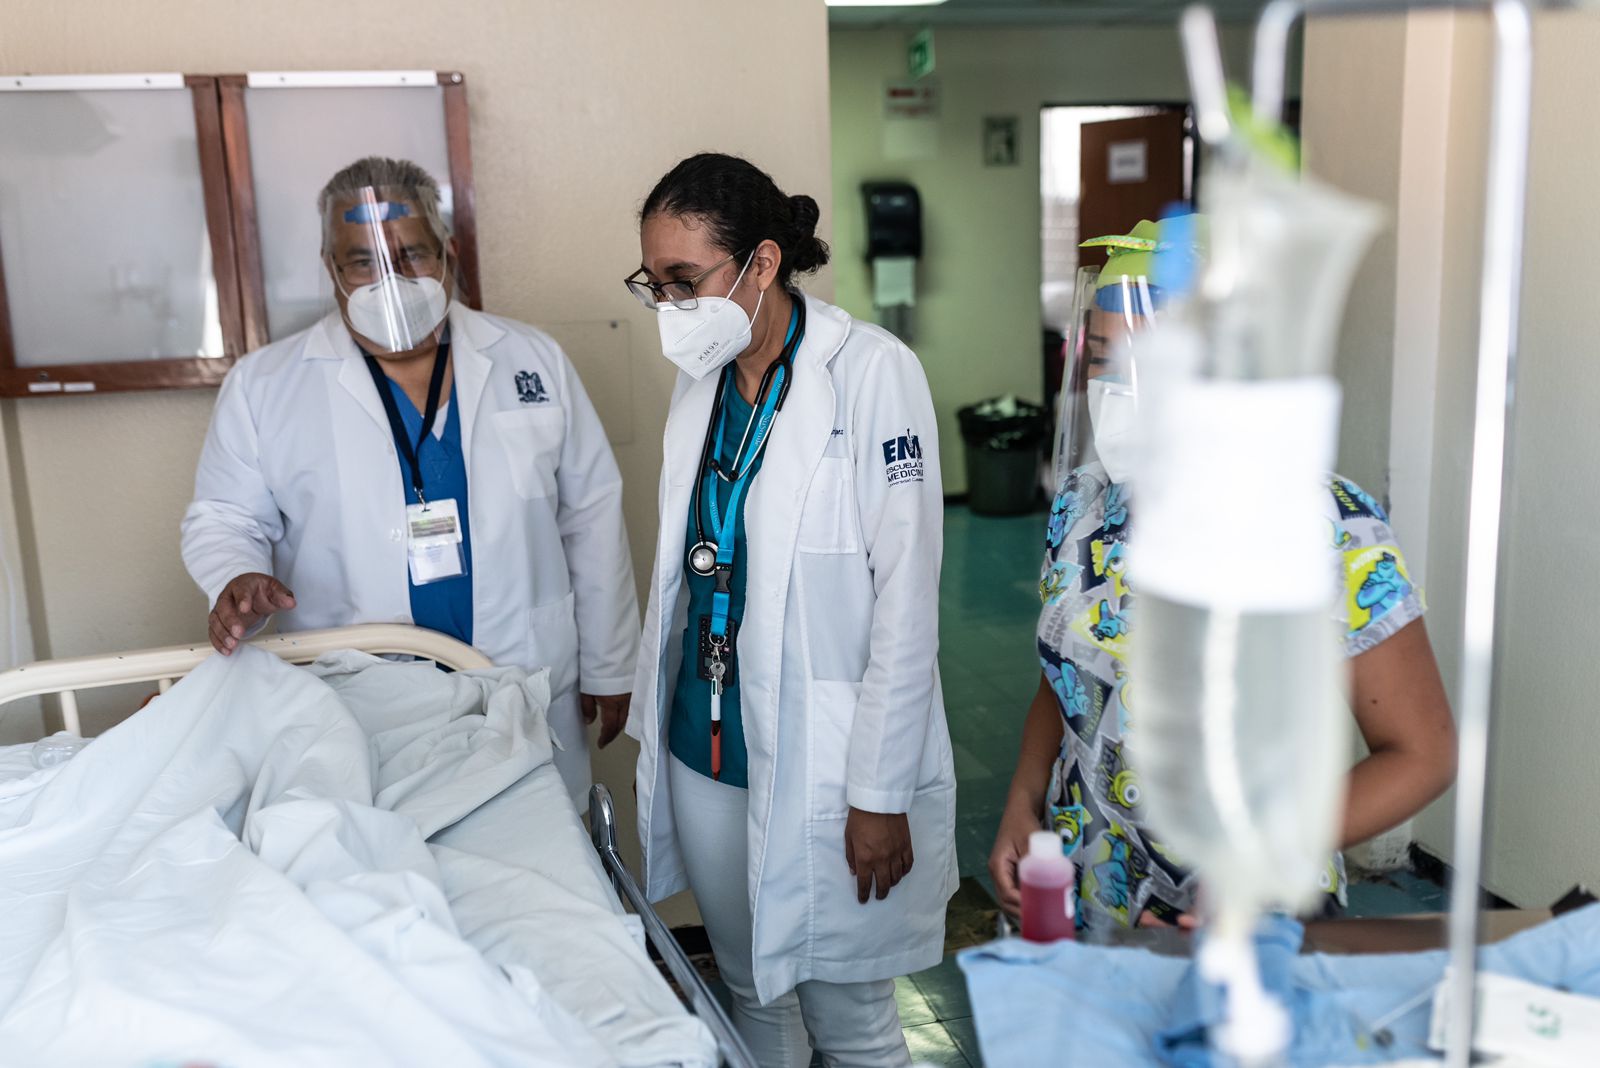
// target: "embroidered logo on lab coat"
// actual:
[[902, 459], [530, 390]]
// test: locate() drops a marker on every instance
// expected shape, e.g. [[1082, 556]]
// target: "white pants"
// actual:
[[850, 1024]]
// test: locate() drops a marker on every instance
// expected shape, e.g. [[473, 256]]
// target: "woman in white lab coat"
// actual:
[[809, 800]]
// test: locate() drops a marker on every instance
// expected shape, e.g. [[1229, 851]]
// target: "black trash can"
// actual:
[[1002, 437]]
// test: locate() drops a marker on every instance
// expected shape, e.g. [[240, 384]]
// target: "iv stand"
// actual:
[[1505, 204]]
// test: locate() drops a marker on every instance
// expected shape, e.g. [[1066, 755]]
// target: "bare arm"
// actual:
[[1041, 743], [1400, 706]]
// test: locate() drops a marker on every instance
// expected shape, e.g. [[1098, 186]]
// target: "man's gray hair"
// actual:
[[378, 172]]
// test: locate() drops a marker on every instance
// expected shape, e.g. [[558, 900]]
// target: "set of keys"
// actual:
[[717, 668]]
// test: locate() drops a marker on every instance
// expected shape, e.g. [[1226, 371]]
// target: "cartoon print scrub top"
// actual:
[[1090, 609]]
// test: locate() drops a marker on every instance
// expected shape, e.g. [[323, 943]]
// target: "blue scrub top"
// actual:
[[689, 731], [444, 606]]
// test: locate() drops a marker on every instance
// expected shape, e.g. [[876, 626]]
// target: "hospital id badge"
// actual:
[[433, 542]]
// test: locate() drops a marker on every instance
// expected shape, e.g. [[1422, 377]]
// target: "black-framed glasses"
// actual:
[[678, 294]]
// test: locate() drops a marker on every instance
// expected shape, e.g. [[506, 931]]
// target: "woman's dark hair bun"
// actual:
[[741, 206], [806, 214], [809, 252]]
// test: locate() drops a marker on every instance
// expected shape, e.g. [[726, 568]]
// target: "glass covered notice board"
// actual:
[[156, 227]]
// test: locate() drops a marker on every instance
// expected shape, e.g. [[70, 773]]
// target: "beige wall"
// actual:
[[978, 316], [1357, 65], [1545, 790], [576, 109], [1543, 837]]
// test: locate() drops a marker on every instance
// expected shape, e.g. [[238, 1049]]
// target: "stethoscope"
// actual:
[[703, 555]]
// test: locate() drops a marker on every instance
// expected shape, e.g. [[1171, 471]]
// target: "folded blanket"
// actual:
[[238, 875]]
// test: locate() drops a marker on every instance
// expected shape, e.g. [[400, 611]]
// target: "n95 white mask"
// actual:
[[704, 338], [396, 312], [1114, 413]]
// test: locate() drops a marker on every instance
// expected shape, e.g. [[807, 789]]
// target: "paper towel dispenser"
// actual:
[[894, 219]]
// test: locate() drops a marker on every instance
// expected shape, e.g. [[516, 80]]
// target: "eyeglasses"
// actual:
[[365, 270], [678, 294]]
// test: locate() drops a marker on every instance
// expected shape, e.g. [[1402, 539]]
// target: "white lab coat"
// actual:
[[837, 658], [299, 479]]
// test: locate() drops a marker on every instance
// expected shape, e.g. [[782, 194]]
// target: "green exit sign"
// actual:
[[919, 54]]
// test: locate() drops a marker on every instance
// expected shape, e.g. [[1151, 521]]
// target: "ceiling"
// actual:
[[1033, 13]]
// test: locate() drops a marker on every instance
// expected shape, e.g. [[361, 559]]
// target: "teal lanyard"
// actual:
[[744, 463]]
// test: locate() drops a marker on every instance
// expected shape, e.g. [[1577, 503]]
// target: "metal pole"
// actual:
[[1202, 54], [1505, 204]]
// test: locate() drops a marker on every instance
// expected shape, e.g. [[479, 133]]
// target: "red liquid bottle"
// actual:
[[1046, 877]]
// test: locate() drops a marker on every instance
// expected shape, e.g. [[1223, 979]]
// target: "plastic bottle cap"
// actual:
[[1044, 844]]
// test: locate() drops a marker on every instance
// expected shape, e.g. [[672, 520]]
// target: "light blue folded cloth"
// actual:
[[1070, 1003], [1198, 1006]]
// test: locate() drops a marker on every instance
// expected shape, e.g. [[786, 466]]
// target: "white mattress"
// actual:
[[527, 888], [328, 901]]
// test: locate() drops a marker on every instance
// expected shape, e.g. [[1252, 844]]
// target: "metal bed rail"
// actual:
[[703, 1003], [66, 677]]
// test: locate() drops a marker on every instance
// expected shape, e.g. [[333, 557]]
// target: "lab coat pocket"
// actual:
[[828, 519], [532, 441], [901, 933], [553, 643], [832, 715]]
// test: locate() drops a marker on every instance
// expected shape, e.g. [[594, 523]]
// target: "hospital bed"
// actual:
[[530, 829]]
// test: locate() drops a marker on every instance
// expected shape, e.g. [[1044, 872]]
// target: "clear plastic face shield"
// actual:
[[390, 264], [1099, 396]]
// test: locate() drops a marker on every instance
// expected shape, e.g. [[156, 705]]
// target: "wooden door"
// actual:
[[1130, 169]]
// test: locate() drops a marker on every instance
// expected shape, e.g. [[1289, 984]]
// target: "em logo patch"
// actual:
[[530, 390], [902, 459]]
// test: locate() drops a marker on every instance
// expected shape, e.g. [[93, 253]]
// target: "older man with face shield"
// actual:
[[338, 460]]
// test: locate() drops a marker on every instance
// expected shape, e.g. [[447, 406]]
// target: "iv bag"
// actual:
[[1241, 738]]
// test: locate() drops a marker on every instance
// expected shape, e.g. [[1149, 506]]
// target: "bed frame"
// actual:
[[695, 993], [65, 678]]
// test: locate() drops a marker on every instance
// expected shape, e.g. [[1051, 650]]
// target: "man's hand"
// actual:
[[877, 846], [613, 712], [243, 603]]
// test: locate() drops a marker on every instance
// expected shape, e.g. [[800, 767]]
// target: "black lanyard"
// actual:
[[411, 452]]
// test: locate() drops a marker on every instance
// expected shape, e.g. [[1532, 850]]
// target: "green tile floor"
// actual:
[[988, 607]]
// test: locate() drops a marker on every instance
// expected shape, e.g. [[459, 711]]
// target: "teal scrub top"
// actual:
[[689, 731], [444, 606]]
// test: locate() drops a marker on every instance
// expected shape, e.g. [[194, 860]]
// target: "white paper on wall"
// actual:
[[894, 281]]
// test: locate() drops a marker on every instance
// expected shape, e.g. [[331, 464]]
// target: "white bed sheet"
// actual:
[[138, 925], [527, 888]]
